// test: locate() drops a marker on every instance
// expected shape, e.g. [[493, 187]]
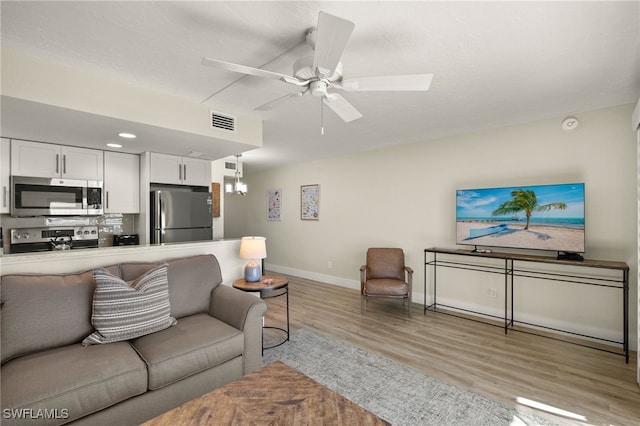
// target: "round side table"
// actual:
[[269, 286]]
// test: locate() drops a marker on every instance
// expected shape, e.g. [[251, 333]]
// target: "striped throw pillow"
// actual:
[[126, 310]]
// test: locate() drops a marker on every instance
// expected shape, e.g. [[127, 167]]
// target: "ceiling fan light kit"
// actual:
[[323, 71]]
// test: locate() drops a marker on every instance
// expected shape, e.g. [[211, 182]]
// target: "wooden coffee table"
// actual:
[[276, 395]]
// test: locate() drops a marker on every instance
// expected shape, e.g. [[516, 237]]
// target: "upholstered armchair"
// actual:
[[385, 276]]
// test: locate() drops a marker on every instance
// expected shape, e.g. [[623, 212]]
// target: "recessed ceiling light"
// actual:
[[127, 135], [114, 145]]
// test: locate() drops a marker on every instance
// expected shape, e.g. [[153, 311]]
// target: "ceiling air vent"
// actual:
[[223, 122]]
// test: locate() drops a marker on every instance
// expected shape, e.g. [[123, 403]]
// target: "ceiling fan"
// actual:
[[322, 71]]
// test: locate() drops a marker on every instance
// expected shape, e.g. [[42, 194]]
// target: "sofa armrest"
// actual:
[[243, 311]]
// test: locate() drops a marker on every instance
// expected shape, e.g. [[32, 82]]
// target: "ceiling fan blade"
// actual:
[[388, 83], [258, 72], [280, 101], [340, 106], [332, 36]]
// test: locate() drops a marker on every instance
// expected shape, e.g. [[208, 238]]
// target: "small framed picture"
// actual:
[[274, 204], [310, 202]]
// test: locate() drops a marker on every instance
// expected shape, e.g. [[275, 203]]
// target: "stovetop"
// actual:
[[26, 240]]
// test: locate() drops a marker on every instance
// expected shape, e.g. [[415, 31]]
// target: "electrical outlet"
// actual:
[[493, 292], [329, 264]]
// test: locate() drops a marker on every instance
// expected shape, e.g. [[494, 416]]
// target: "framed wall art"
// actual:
[[310, 202], [274, 204]]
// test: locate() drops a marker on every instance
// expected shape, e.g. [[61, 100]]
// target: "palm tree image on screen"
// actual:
[[527, 202]]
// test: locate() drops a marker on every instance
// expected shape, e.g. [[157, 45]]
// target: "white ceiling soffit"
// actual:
[[494, 63]]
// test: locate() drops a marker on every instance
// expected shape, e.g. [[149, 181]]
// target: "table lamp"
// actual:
[[253, 248]]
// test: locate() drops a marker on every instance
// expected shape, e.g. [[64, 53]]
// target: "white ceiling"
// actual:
[[494, 63]]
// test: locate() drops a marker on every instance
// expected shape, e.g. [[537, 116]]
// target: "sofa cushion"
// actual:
[[41, 312], [196, 343], [73, 380], [191, 280], [126, 310]]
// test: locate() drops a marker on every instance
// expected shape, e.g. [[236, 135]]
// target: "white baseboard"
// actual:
[[329, 279]]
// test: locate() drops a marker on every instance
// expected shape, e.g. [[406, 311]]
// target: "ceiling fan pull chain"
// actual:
[[321, 117]]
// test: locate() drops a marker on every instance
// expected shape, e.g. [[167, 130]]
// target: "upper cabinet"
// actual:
[[5, 166], [172, 169], [121, 183], [196, 172], [36, 159]]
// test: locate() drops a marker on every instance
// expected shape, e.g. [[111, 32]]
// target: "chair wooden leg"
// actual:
[[361, 304]]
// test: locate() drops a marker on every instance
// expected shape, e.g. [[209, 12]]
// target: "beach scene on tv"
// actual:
[[544, 217]]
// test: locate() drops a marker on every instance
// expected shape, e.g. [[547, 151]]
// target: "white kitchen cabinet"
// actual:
[[196, 172], [176, 170], [37, 159], [5, 173], [165, 168], [121, 182], [82, 163]]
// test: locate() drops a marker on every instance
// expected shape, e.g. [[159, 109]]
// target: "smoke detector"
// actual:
[[569, 124]]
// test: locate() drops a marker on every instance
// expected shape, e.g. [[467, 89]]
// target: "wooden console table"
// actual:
[[512, 268]]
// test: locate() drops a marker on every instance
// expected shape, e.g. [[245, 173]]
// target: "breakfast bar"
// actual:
[[225, 250]]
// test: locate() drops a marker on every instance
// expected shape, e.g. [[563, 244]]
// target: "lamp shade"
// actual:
[[253, 248]]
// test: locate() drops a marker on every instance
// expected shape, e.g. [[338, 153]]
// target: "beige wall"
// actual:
[[405, 196]]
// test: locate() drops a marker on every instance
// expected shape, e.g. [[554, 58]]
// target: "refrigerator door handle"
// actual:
[[158, 218], [161, 214]]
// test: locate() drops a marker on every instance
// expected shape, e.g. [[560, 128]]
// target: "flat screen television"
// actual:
[[542, 217]]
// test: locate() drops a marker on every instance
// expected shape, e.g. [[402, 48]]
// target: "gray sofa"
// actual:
[[49, 377]]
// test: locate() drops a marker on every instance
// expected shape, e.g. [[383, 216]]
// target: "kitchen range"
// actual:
[[28, 240]]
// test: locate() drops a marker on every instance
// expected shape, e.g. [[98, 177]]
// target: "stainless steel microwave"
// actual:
[[55, 197]]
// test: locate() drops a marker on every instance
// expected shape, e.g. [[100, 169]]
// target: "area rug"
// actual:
[[390, 390]]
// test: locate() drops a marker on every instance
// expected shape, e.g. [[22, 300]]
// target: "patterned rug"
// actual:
[[394, 392]]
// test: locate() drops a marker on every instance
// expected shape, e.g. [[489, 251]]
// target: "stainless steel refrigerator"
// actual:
[[179, 216]]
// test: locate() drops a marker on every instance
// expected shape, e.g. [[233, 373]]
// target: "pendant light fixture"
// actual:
[[237, 187]]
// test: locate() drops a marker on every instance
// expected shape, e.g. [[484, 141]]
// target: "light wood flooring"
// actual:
[[591, 386]]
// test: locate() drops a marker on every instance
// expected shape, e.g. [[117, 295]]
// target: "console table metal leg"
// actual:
[[434, 281], [512, 319], [506, 295], [625, 307], [424, 284], [287, 314], [434, 264]]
